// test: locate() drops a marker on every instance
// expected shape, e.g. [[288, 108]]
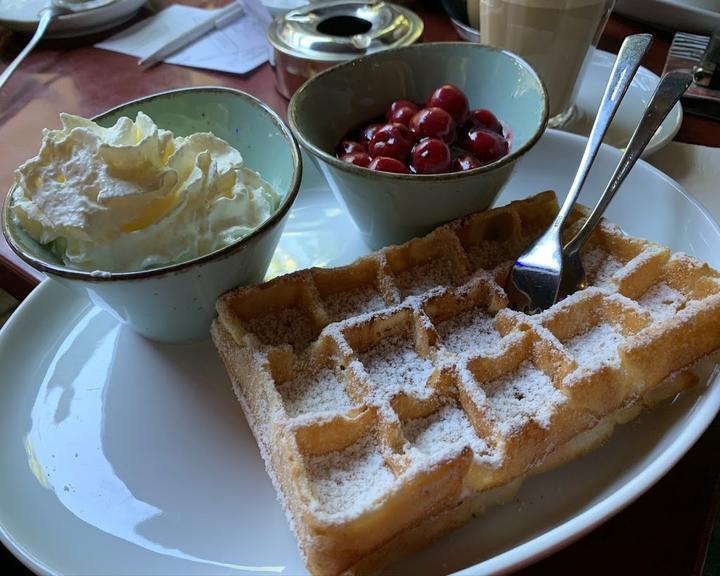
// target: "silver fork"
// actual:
[[533, 283], [671, 87]]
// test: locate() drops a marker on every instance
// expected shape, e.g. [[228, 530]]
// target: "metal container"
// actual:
[[310, 39]]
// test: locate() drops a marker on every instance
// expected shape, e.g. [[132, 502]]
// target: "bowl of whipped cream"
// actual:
[[158, 206]]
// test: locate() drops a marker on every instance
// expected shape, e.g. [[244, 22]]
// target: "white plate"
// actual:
[[701, 16], [22, 15], [119, 455], [631, 109]]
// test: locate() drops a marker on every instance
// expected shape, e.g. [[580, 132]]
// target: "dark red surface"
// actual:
[[664, 533]]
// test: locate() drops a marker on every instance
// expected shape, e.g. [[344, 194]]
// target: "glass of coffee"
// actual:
[[556, 37]]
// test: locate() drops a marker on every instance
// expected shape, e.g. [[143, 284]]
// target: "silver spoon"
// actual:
[[671, 87], [47, 15]]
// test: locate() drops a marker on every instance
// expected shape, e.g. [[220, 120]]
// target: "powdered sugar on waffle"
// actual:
[[662, 301], [650, 253], [289, 325], [489, 254], [445, 432], [525, 395], [473, 329], [596, 347], [600, 267], [313, 392], [347, 482], [394, 367], [350, 303], [422, 277]]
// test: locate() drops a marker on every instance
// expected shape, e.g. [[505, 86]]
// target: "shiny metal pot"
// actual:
[[310, 39]]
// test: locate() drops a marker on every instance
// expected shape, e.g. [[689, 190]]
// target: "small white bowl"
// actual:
[[176, 303]]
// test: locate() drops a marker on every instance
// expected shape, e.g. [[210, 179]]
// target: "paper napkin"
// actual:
[[238, 47]]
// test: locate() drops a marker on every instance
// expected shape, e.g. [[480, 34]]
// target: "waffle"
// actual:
[[395, 398]]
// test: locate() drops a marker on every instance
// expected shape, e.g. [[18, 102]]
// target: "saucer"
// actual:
[[630, 111], [23, 16]]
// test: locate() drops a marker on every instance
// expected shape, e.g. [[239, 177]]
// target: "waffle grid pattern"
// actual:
[[389, 395]]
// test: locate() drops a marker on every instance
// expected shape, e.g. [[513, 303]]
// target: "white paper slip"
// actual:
[[238, 47]]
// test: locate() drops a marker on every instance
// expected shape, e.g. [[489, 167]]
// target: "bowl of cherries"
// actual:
[[438, 136], [412, 137]]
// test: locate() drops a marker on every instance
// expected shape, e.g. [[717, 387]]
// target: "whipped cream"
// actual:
[[134, 196]]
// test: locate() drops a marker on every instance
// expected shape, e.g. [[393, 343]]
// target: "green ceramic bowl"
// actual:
[[177, 302], [391, 208]]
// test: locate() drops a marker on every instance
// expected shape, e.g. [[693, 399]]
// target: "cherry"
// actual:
[[401, 111], [386, 164], [451, 99], [350, 146], [369, 131], [465, 162], [394, 140], [413, 139], [359, 158], [433, 123], [431, 156], [482, 118], [486, 146]]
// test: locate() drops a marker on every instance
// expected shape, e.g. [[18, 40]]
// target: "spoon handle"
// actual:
[[671, 87], [46, 17], [626, 64]]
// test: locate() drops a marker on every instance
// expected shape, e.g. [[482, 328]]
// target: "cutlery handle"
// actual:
[[46, 17], [671, 87], [626, 64]]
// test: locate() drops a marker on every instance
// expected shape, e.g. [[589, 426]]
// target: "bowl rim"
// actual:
[[443, 177], [219, 254]]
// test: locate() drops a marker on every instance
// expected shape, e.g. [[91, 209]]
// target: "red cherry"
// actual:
[[368, 132], [465, 162], [431, 156], [487, 146], [358, 158], [483, 118], [433, 123], [402, 102], [386, 164], [394, 140], [350, 146], [451, 99], [401, 111]]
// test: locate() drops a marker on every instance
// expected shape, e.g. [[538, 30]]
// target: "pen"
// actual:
[[223, 17]]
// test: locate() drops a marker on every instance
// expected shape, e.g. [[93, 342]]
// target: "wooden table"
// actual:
[[665, 532]]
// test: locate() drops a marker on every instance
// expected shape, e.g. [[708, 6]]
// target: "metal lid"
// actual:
[[340, 30]]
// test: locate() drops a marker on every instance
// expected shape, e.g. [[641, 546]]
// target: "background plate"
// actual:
[[22, 15], [631, 109], [120, 455]]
